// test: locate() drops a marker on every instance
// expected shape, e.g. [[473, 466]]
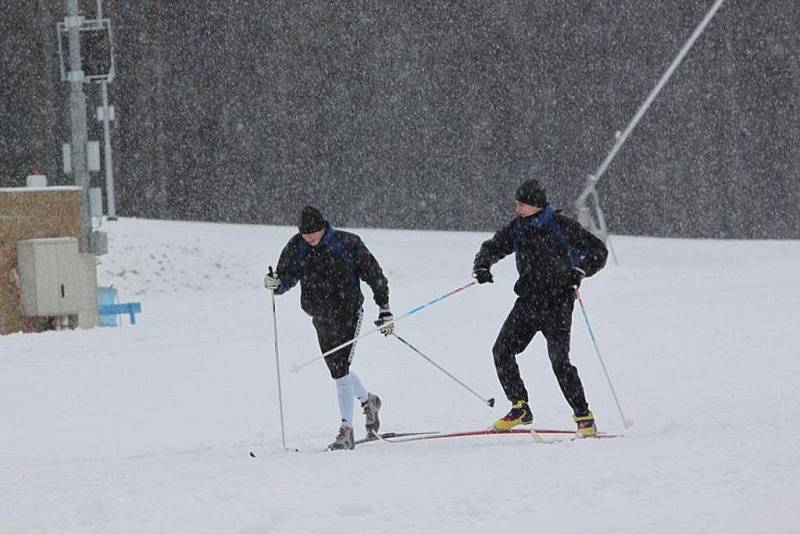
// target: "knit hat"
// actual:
[[531, 193], [311, 220]]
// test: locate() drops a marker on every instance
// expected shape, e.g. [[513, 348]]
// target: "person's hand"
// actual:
[[575, 276], [385, 321], [271, 280], [483, 276]]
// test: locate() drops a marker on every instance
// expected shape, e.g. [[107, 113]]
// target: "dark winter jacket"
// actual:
[[330, 273], [547, 245]]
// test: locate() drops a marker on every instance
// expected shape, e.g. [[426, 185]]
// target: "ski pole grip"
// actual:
[[270, 270]]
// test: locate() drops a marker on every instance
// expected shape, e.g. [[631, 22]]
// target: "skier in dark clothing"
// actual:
[[330, 264], [553, 254]]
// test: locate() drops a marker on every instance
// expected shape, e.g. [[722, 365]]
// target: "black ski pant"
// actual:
[[554, 320], [334, 330]]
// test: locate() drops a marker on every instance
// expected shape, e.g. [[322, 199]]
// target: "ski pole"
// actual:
[[297, 367], [488, 402], [626, 422], [277, 363]]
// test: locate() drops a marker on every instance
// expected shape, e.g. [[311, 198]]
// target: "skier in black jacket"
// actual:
[[553, 254], [330, 264]]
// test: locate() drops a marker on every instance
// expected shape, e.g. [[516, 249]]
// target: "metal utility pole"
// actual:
[[111, 208], [77, 112], [161, 138]]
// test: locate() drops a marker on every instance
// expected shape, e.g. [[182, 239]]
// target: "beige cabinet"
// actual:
[[52, 277]]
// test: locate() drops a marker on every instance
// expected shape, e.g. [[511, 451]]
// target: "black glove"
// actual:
[[482, 275], [385, 319], [574, 277]]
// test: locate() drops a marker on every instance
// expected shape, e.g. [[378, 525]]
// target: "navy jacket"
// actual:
[[546, 245], [330, 274]]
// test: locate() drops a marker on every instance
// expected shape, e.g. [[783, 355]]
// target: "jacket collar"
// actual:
[[541, 218], [327, 237]]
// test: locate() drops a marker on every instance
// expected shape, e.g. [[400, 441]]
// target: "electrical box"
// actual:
[[98, 243], [93, 156], [52, 278]]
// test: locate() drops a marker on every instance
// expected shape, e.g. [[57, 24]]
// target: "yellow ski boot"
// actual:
[[586, 426], [520, 414]]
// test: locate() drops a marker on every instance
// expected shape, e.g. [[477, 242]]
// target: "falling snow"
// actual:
[[426, 114]]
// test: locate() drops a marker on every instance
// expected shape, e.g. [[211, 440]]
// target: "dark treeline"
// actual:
[[426, 114]]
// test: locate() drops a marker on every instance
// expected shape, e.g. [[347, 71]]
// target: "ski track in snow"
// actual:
[[147, 428]]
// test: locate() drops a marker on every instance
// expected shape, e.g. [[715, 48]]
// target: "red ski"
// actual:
[[563, 434]]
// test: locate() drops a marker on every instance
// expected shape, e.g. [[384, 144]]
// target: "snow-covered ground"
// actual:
[[148, 428]]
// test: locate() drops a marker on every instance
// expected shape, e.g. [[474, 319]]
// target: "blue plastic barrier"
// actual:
[[107, 296], [108, 307], [131, 308]]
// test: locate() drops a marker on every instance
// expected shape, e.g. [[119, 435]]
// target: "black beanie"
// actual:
[[311, 220], [531, 193]]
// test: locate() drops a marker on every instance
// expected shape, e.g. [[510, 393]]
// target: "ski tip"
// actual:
[[287, 449]]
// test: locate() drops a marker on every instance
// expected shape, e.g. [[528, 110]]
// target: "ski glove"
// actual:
[[271, 280], [483, 275], [385, 319], [574, 277]]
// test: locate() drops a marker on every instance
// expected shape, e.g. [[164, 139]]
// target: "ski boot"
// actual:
[[344, 440], [586, 426], [371, 407], [520, 414]]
